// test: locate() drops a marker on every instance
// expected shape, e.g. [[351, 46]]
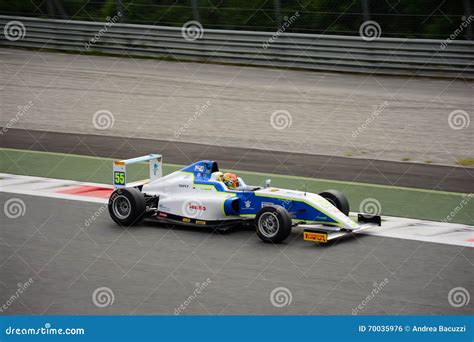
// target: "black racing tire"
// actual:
[[273, 224], [127, 206], [338, 199]]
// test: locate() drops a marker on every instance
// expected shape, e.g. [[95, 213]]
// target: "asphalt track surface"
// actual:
[[326, 113], [446, 178], [153, 269]]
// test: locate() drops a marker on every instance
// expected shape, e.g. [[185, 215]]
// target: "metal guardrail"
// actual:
[[396, 56]]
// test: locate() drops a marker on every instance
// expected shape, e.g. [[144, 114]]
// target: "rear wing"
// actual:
[[120, 168]]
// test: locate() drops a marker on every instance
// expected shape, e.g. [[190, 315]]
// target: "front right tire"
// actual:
[[273, 224], [127, 206], [337, 199]]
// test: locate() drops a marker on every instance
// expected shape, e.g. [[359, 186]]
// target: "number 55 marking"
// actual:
[[119, 178]]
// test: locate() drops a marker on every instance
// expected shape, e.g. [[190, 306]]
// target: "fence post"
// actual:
[[365, 10], [467, 13], [277, 10], [194, 4]]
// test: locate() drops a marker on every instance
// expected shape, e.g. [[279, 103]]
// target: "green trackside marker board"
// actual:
[[395, 201]]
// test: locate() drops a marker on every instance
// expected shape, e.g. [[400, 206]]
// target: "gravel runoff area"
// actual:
[[363, 116]]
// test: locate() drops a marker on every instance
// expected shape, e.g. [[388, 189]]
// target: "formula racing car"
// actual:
[[200, 195]]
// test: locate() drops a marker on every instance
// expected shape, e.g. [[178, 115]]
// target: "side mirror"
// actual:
[[267, 183]]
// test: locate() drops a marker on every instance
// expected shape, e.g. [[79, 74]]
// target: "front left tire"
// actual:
[[127, 206], [273, 224]]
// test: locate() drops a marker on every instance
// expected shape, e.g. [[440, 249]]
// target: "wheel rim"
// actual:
[[122, 207], [268, 224]]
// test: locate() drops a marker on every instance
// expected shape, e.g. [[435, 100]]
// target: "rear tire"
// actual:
[[273, 224], [127, 206], [338, 199]]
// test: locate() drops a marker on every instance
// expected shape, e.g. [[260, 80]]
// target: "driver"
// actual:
[[230, 179]]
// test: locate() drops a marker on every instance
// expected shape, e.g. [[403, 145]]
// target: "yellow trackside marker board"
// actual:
[[315, 237]]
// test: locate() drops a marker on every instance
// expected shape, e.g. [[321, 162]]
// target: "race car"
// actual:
[[199, 195]]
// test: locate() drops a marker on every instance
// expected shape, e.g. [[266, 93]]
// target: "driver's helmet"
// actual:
[[231, 180]]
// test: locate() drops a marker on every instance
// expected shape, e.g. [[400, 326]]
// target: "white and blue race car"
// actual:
[[195, 195]]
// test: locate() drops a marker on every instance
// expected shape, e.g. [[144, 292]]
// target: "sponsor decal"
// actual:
[[183, 185], [248, 204], [316, 237], [274, 189], [200, 222], [163, 207], [266, 204], [163, 214], [185, 219], [199, 168], [155, 168], [195, 206], [118, 162]]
